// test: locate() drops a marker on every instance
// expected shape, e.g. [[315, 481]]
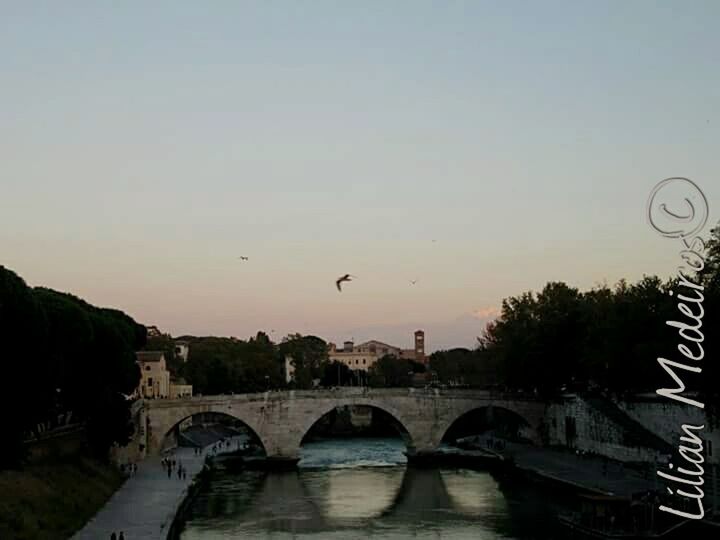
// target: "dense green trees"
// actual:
[[223, 365], [338, 374], [63, 355], [391, 371], [608, 338], [309, 354]]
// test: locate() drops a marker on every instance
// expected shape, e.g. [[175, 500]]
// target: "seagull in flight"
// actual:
[[413, 281], [243, 258], [339, 280]]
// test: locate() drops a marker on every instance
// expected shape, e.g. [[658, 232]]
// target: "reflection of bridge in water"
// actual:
[[330, 499]]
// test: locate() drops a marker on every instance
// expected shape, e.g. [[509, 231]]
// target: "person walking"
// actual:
[[122, 536], [113, 536]]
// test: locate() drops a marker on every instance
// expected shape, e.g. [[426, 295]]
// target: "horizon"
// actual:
[[476, 149]]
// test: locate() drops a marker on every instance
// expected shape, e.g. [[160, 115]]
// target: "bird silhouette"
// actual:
[[243, 258], [413, 281], [339, 280]]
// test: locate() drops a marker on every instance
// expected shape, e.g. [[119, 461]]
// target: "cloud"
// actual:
[[486, 313]]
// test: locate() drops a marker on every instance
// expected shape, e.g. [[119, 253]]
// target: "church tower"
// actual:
[[420, 346]]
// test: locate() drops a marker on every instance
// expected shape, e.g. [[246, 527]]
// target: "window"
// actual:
[[363, 361], [150, 382], [147, 368]]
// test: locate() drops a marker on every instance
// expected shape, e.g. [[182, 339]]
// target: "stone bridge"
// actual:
[[280, 420]]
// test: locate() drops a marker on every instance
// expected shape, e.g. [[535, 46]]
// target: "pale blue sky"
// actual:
[[145, 146]]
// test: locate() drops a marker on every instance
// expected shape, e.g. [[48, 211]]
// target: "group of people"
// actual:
[[114, 536], [130, 469], [169, 465]]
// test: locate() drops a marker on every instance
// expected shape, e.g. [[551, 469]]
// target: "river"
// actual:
[[362, 488]]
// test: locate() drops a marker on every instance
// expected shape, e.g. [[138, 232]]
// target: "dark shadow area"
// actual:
[[360, 421], [209, 428], [487, 425]]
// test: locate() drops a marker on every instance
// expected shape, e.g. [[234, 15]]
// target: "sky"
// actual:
[[480, 148]]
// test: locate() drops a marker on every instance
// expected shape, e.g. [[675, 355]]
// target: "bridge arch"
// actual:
[[174, 430], [391, 412], [485, 417], [163, 419]]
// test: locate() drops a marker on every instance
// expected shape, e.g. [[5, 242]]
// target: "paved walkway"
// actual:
[[588, 472], [145, 505]]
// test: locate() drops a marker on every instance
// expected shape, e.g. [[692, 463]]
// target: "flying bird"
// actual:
[[339, 280], [413, 281], [243, 258]]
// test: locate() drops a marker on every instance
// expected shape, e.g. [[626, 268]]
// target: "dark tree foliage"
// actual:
[[23, 333], [464, 367], [66, 356], [338, 374], [607, 339], [309, 354], [219, 365], [390, 371]]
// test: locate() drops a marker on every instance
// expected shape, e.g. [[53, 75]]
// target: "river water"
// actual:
[[362, 488]]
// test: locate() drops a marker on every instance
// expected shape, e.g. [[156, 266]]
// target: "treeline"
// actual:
[[563, 339], [221, 365], [64, 357]]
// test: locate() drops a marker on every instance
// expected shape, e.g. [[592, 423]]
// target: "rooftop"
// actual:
[[149, 356]]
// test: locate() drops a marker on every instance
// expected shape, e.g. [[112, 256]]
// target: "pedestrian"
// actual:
[[122, 536], [113, 536], [184, 474], [169, 472], [179, 473]]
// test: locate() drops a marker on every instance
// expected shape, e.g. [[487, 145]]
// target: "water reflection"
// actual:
[[349, 501]]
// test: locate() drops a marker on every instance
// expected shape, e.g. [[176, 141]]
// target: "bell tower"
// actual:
[[420, 346]]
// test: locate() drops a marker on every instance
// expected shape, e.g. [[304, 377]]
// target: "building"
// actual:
[[182, 349], [155, 378], [364, 355], [289, 369], [180, 389]]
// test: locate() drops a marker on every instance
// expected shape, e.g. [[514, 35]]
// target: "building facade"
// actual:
[[182, 349], [364, 355], [178, 389], [155, 378]]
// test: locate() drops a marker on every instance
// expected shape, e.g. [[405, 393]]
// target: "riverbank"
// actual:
[[52, 500], [146, 504]]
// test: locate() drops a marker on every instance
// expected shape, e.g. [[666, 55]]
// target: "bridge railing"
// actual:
[[351, 392]]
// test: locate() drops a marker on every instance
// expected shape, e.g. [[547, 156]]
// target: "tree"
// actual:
[[65, 355], [337, 374], [309, 355], [23, 332], [390, 371]]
